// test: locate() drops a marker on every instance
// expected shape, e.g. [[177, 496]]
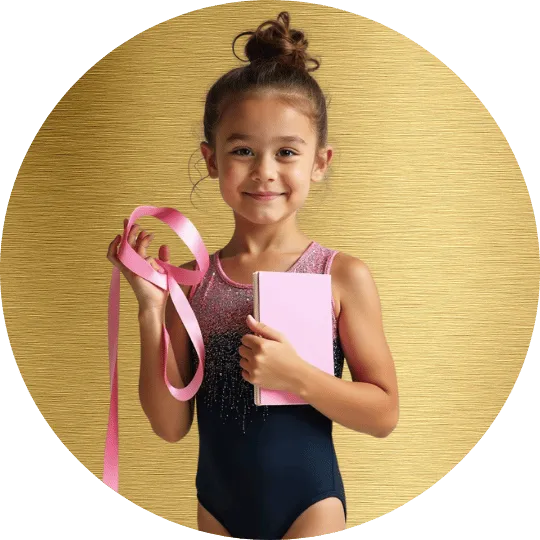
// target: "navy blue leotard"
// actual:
[[259, 467]]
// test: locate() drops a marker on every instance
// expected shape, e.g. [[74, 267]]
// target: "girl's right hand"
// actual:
[[149, 296]]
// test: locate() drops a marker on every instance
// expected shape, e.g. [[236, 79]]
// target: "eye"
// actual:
[[239, 150], [293, 153], [235, 152]]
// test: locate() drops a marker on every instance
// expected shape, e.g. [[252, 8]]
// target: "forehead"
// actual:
[[264, 117]]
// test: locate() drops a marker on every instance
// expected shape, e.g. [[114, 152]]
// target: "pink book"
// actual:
[[298, 304]]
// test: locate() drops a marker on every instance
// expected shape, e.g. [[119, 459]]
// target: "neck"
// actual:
[[252, 239]]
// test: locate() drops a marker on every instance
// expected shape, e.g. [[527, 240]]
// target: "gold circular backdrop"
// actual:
[[424, 188]]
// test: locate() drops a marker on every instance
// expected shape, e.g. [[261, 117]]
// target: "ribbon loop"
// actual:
[[169, 280]]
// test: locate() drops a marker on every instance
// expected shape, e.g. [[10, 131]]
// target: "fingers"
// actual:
[[132, 233], [152, 262], [135, 237], [140, 240], [113, 250]]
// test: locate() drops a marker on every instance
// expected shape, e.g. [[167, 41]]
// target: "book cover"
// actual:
[[299, 305]]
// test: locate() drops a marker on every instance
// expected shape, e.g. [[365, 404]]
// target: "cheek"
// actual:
[[300, 186], [229, 185], [229, 167], [232, 172], [300, 180]]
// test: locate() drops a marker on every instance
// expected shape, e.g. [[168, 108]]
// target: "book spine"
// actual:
[[256, 314]]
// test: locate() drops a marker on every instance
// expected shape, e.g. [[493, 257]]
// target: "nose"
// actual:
[[264, 168]]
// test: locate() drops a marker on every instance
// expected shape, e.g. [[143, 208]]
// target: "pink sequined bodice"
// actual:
[[221, 306]]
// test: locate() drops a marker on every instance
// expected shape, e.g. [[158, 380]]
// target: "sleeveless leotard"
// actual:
[[259, 467]]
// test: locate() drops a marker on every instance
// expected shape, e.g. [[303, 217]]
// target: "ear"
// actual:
[[322, 161], [210, 159]]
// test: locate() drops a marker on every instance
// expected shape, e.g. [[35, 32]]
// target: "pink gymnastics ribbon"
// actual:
[[173, 275]]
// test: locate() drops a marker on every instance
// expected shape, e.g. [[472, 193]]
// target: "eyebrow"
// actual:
[[244, 137]]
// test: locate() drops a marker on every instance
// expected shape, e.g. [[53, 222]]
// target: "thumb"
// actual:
[[164, 253], [263, 329]]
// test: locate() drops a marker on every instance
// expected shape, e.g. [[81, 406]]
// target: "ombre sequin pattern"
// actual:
[[221, 306]]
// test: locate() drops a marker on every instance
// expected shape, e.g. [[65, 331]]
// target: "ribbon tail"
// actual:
[[110, 463], [185, 229]]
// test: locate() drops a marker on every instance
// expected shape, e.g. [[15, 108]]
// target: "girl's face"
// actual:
[[263, 144]]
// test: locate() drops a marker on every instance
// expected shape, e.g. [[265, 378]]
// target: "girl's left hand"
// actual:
[[269, 360]]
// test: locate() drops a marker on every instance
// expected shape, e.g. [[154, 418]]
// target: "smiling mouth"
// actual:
[[264, 197], [248, 193]]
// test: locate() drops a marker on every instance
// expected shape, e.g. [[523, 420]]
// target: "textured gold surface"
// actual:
[[424, 188]]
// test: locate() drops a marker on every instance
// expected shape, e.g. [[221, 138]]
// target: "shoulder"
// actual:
[[190, 265], [351, 278], [187, 266], [347, 267]]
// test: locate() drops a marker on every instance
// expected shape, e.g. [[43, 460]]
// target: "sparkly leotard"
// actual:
[[259, 467]]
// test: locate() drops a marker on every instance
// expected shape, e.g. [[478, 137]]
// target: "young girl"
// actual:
[[265, 471]]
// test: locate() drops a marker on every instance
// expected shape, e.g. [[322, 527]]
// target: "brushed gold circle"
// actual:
[[425, 189]]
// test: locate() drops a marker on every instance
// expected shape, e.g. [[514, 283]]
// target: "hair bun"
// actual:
[[277, 43]]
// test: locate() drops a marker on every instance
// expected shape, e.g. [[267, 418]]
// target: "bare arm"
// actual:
[[369, 403], [170, 419]]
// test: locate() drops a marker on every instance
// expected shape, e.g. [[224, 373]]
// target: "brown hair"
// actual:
[[278, 63]]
